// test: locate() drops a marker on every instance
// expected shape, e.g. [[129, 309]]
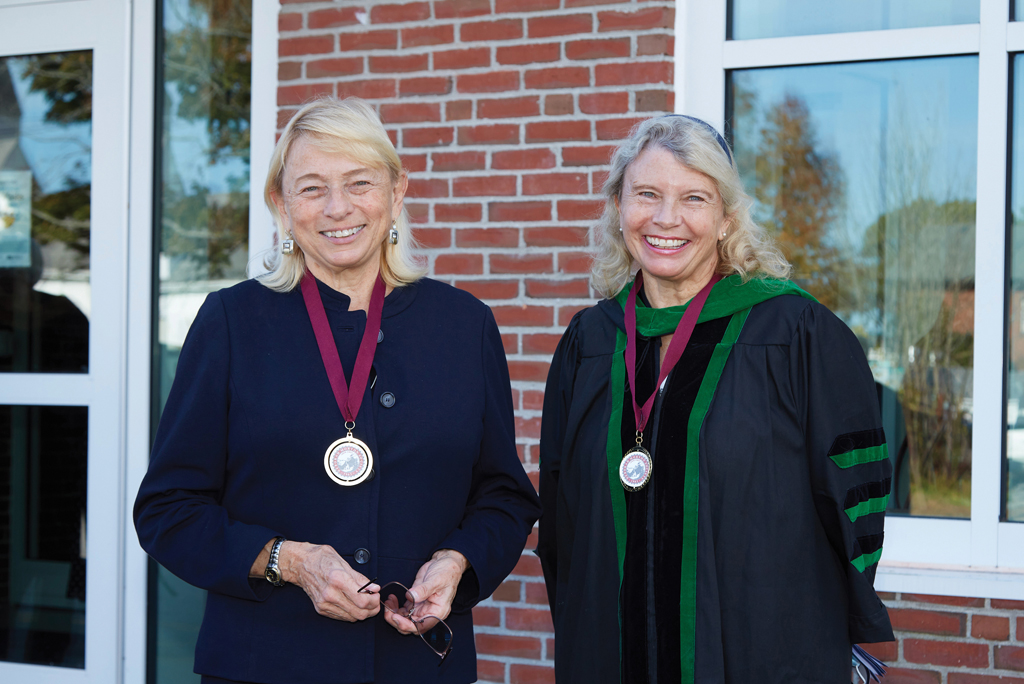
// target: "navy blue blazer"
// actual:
[[238, 460]]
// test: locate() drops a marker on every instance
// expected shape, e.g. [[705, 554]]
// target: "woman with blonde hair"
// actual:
[[339, 420], [712, 464]]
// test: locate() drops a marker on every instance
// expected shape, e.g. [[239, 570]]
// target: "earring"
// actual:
[[393, 233], [287, 245]]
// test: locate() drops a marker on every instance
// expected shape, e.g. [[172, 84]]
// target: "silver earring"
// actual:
[[393, 233], [287, 245]]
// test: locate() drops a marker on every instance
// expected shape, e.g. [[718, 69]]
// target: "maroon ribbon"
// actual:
[[680, 339], [348, 401]]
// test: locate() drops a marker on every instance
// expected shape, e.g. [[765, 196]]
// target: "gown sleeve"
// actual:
[[849, 464], [557, 399], [178, 515], [503, 504]]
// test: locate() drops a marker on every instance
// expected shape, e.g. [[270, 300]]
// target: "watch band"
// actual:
[[273, 573]]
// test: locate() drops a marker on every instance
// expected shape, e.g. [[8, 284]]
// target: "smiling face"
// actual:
[[672, 218], [338, 211]]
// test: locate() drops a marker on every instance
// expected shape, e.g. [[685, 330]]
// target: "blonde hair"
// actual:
[[747, 250], [348, 127]]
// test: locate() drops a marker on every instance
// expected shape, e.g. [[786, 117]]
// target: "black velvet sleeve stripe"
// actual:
[[851, 441], [867, 491], [868, 544]]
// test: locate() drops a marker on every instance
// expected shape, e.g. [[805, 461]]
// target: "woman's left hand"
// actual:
[[433, 590]]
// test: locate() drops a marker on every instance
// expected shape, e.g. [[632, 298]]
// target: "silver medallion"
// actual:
[[635, 469], [348, 461]]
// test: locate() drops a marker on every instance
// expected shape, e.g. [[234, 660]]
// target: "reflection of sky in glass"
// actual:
[[56, 152], [1015, 323], [775, 18]]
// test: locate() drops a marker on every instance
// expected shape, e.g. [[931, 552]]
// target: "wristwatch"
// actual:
[[273, 573]]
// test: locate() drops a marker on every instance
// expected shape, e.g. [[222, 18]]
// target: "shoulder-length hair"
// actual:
[[747, 250], [351, 128]]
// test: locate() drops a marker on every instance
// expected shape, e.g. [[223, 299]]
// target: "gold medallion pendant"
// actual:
[[348, 461], [635, 469]]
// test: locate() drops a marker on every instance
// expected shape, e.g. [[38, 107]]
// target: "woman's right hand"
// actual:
[[331, 583]]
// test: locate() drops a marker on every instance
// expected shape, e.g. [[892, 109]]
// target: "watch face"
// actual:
[[273, 575]]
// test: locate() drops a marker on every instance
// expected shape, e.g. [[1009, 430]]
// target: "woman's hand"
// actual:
[[433, 589]]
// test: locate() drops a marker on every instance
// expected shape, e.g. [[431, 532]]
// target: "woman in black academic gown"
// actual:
[[336, 426], [713, 481]]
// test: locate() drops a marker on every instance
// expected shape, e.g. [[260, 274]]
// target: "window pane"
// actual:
[[45, 177], [776, 18], [42, 534], [203, 208], [1014, 468], [866, 172]]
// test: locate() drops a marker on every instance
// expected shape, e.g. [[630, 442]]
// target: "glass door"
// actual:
[[63, 269]]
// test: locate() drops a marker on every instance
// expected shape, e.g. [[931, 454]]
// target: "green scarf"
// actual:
[[730, 297]]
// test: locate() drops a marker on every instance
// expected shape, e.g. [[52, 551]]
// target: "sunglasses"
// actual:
[[397, 599]]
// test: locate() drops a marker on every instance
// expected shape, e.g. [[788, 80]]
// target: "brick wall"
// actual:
[[505, 113]]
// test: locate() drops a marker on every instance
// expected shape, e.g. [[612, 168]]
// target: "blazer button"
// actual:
[[380, 336], [362, 556], [387, 400]]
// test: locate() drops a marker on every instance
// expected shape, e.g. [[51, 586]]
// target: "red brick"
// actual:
[[885, 651], [398, 63], [368, 40], [410, 111], [520, 263], [631, 73], [1010, 658], [418, 212], [290, 21], [459, 263], [969, 678], [579, 210], [531, 539], [462, 59], [606, 48], [948, 653], [557, 77], [901, 675], [427, 137], [886, 595], [604, 103], [528, 619], [929, 621], [328, 68], [486, 616], [519, 211], [536, 592], [427, 187], [523, 315], [555, 236], [459, 161], [990, 627], [503, 6], [509, 590], [616, 129], [289, 71], [558, 105], [656, 44], [306, 45], [964, 601], [512, 107], [493, 134], [458, 213], [331, 18], [427, 85], [559, 25], [555, 184], [433, 238], [477, 186], [539, 158], [458, 110], [586, 3], [487, 237], [654, 17], [488, 82], [533, 400], [489, 670], [574, 262], [490, 289], [576, 288], [502, 29], [1006, 604], [587, 156], [370, 89], [597, 181], [458, 9], [298, 94], [508, 646], [393, 14], [528, 371], [528, 54], [565, 313], [530, 674], [557, 131], [528, 427], [392, 135], [419, 36], [510, 343], [655, 101], [1020, 628]]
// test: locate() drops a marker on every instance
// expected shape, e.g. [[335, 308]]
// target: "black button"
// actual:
[[362, 556], [387, 400], [380, 336]]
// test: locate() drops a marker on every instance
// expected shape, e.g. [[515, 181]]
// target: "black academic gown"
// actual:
[[785, 559]]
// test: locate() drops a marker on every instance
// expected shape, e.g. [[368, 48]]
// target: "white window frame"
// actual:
[[980, 556]]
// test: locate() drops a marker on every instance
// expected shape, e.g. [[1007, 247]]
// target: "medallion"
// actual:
[[635, 469], [348, 461]]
